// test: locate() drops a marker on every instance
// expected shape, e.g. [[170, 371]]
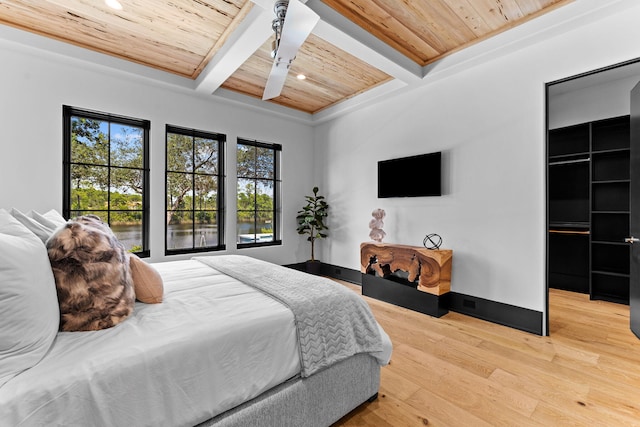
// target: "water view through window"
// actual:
[[178, 235], [194, 188], [258, 193]]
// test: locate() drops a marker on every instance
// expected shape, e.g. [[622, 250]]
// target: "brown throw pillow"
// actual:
[[91, 270], [147, 282]]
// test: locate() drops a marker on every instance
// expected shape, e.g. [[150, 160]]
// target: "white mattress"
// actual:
[[172, 364]]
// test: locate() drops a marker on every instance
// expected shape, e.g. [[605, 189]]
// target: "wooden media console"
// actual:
[[413, 277]]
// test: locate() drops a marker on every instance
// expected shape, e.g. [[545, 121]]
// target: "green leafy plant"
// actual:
[[311, 219]]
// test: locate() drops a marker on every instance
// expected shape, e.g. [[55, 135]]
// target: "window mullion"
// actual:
[[275, 195], [193, 190], [255, 208], [255, 195], [109, 175]]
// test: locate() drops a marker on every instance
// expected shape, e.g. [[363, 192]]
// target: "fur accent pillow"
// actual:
[[147, 282], [91, 270]]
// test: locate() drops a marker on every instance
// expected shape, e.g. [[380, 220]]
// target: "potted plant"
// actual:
[[311, 222]]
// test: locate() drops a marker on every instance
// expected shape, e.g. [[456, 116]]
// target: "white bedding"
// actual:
[[157, 368]]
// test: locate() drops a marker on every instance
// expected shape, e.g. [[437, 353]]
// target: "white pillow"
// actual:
[[42, 225], [52, 216], [43, 220], [28, 299], [40, 230]]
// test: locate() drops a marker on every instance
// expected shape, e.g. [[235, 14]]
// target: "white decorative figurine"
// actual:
[[376, 224]]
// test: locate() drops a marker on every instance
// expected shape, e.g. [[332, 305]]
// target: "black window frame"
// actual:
[[67, 113], [221, 176], [277, 190]]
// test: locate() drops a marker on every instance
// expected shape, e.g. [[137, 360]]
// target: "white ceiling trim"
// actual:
[[258, 104], [253, 32], [368, 97]]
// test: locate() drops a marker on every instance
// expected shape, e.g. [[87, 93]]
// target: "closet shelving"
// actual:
[[610, 151], [588, 199]]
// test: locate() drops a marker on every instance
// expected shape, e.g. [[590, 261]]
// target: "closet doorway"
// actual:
[[591, 175]]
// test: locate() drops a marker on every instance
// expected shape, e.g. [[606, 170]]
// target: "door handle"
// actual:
[[631, 240]]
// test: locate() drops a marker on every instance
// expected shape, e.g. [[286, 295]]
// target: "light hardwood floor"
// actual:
[[462, 371]]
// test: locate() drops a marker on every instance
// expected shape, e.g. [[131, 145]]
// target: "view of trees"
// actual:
[[192, 179], [106, 170], [107, 179], [193, 189], [252, 202], [256, 188]]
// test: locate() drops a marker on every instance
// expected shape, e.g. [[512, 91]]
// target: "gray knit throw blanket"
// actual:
[[332, 322]]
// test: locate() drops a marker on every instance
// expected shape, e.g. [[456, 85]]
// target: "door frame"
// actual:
[[615, 67]]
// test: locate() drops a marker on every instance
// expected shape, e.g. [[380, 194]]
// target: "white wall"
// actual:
[[489, 120], [33, 87], [610, 99]]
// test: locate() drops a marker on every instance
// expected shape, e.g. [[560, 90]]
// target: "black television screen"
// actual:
[[415, 176]]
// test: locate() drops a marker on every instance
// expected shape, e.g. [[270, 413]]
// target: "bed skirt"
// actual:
[[316, 401]]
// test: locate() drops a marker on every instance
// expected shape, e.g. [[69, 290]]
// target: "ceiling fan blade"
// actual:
[[276, 80], [298, 24], [299, 21]]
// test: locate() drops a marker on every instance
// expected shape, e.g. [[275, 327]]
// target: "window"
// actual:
[[194, 191], [106, 173], [258, 207]]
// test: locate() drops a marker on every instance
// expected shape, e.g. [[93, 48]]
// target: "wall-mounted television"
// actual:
[[415, 176]]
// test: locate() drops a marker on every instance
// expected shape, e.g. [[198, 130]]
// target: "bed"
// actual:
[[220, 350]]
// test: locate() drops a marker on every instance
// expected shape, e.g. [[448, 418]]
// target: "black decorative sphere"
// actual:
[[432, 241]]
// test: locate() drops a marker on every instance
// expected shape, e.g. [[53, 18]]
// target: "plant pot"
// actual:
[[313, 267]]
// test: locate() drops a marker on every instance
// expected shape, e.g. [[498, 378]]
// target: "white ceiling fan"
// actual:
[[292, 25]]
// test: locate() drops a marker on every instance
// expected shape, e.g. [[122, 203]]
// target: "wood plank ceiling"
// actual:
[[427, 30], [182, 36], [174, 36], [332, 75]]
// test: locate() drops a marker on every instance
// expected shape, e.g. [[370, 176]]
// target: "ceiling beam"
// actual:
[[252, 32], [255, 29], [344, 34]]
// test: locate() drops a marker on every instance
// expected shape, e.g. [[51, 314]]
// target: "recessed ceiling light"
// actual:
[[301, 76], [113, 4]]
